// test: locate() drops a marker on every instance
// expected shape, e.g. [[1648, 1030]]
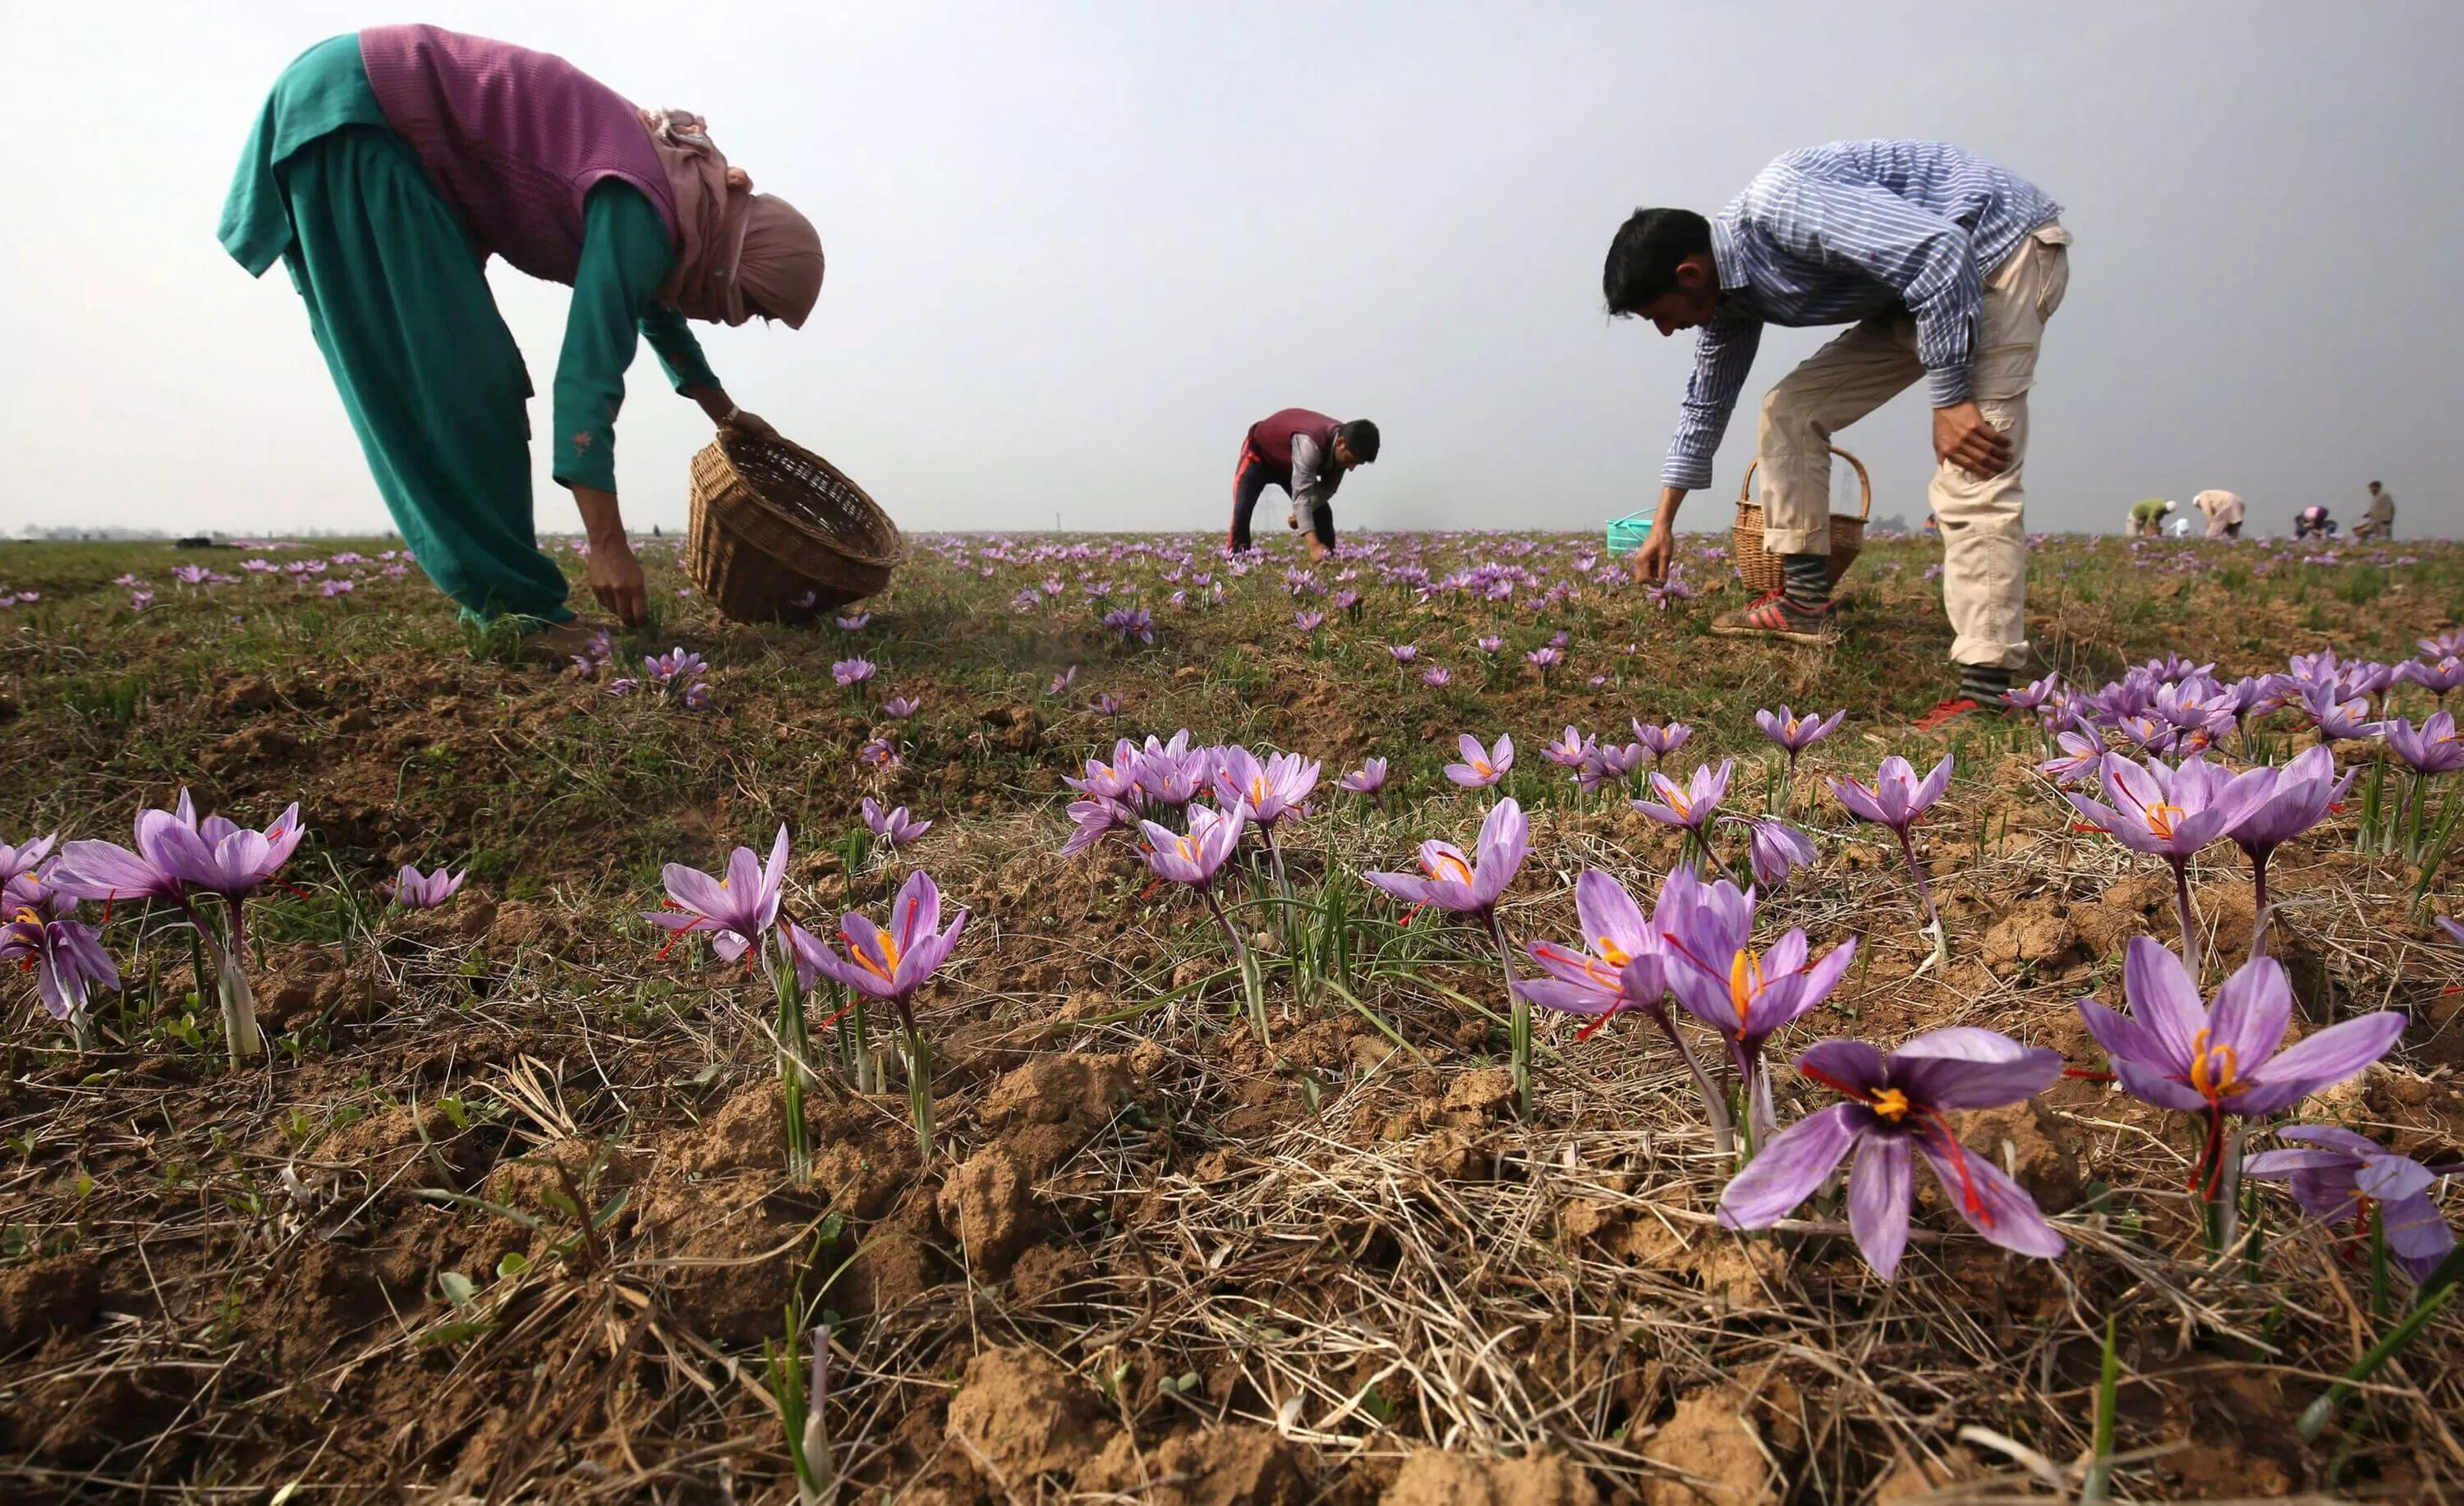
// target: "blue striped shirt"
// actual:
[[1834, 234]]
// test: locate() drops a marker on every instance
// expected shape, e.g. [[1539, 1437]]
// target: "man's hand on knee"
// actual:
[[1964, 437]]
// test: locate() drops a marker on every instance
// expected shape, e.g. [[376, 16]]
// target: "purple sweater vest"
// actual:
[[1271, 437], [512, 138]]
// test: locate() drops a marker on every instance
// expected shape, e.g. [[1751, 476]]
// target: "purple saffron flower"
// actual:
[[1367, 780], [166, 849], [1603, 762], [738, 910], [1778, 849], [1620, 969], [2083, 756], [1271, 789], [1797, 733], [2173, 1052], [1090, 819], [1542, 657], [1900, 1106], [893, 826], [68, 960], [2029, 697], [1107, 704], [852, 672], [883, 962], [327, 588], [1662, 741], [2430, 748], [1197, 857], [414, 890], [2454, 930], [1743, 994], [1308, 621], [1482, 767], [1466, 886], [1172, 773], [1569, 752], [855, 623], [901, 707], [2337, 1182], [1693, 804], [2438, 676], [1896, 799], [1436, 677], [1061, 682], [1117, 780], [1489, 644], [1404, 653], [2173, 813], [2296, 798], [2335, 716]]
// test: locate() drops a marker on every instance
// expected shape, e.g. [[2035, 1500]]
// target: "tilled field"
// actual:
[[505, 1214]]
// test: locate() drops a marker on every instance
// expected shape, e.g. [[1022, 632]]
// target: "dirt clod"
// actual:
[[1435, 1477], [1020, 1416], [1707, 1441]]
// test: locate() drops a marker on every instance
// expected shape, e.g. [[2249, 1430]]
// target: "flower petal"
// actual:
[[1791, 1165], [2252, 1009], [1879, 1188], [1965, 1067], [2320, 1061], [2163, 998], [2003, 1211]]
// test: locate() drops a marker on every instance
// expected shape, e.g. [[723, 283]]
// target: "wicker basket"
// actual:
[[1761, 569], [781, 535]]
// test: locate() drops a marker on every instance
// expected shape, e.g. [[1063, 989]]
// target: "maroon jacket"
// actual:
[[514, 138], [1270, 439]]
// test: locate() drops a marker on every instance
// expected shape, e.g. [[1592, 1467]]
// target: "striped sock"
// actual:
[[1807, 581], [1986, 685]]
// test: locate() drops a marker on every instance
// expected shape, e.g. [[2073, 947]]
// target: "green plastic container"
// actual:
[[1626, 534]]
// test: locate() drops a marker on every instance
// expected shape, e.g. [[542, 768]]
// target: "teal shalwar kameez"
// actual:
[[398, 300]]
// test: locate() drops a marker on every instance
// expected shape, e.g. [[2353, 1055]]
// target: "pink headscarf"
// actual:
[[732, 243]]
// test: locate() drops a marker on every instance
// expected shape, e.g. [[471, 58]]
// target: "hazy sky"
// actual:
[[1074, 249]]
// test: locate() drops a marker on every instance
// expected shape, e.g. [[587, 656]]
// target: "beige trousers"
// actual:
[[1984, 529]]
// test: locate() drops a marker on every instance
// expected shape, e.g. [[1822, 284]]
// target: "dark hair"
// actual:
[[2374, 485], [1360, 437], [1643, 259]]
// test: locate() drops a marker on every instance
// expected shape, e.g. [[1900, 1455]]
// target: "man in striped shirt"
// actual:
[[1945, 268]]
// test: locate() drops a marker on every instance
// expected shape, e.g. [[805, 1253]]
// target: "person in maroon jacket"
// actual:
[[1305, 453]]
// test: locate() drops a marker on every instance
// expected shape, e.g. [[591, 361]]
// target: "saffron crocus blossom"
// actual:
[[17, 861], [1116, 781], [675, 664], [2338, 717], [2428, 749], [1472, 887], [1898, 1107], [1436, 677], [1090, 819], [1195, 858], [2173, 1052], [1482, 767], [1899, 799], [892, 963], [2439, 676], [1622, 968], [1367, 780], [236, 861], [2081, 760], [2454, 929], [1464, 886], [901, 707], [414, 890], [1568, 751], [1692, 804], [738, 909], [855, 623], [2340, 1175], [1797, 733], [1272, 788], [2296, 799], [893, 826], [1724, 982], [1172, 773], [1404, 653], [2173, 813], [1662, 741], [1777, 850], [852, 672], [68, 960]]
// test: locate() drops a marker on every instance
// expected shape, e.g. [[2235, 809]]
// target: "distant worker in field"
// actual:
[[1945, 268], [1305, 453], [2148, 516], [385, 170], [2223, 511], [2379, 521], [2313, 522]]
